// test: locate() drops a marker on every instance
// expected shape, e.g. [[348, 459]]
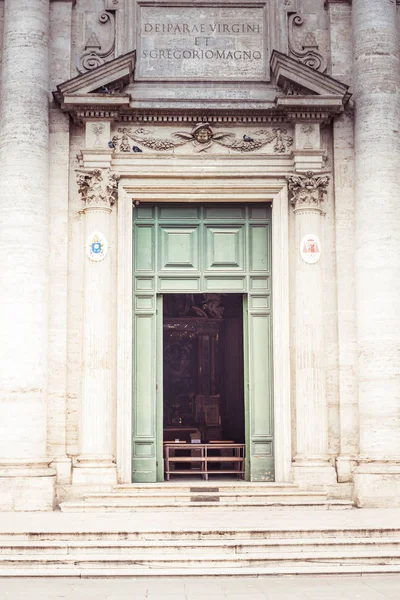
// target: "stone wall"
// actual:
[[85, 19], [82, 35]]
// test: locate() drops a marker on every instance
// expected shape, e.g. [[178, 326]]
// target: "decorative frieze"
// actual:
[[202, 137], [98, 188], [307, 190]]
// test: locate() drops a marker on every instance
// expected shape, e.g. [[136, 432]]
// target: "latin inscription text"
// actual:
[[189, 42]]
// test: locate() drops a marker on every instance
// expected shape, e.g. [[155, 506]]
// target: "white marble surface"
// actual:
[[370, 587], [205, 520]]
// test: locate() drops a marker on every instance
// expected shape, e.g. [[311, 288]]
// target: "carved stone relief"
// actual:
[[306, 51], [96, 52], [307, 190], [290, 5], [202, 137], [98, 188], [114, 4]]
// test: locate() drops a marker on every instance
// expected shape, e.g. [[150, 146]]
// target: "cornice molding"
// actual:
[[110, 77], [290, 74], [102, 94]]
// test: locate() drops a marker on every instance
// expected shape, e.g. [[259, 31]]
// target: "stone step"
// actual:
[[204, 486], [197, 532], [198, 547], [214, 561], [90, 504], [276, 569], [212, 493], [200, 543]]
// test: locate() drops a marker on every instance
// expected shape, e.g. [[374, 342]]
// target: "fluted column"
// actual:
[[26, 482], [377, 154], [311, 466], [96, 463]]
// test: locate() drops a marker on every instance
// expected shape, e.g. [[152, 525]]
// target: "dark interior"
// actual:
[[203, 367]]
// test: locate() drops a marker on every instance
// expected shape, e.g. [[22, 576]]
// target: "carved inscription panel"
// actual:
[[213, 41]]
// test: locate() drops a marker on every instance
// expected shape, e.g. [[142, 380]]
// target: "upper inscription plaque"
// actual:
[[205, 42]]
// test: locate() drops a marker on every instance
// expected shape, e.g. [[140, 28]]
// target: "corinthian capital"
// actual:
[[98, 188], [307, 190]]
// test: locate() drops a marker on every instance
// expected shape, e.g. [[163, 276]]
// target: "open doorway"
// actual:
[[203, 368]]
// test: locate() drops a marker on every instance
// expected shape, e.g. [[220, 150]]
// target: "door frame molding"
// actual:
[[147, 182]]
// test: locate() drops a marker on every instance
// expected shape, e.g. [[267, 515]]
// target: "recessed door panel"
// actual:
[[181, 212], [179, 248], [144, 248], [144, 410], [260, 254], [222, 213], [225, 248]]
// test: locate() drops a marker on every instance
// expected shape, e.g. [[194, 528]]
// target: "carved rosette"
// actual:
[[98, 188], [306, 191]]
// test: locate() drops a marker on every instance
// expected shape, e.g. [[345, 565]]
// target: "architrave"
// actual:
[[133, 184]]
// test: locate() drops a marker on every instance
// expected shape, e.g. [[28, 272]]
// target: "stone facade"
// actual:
[[108, 102]]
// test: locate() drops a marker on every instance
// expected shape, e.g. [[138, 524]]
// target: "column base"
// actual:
[[345, 466], [94, 470], [313, 473], [377, 484], [63, 468], [26, 485]]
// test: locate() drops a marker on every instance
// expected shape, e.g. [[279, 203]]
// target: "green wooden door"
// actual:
[[191, 248]]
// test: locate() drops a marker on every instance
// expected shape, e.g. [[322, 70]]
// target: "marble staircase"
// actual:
[[203, 543]]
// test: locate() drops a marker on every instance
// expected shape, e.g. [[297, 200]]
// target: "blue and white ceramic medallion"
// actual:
[[96, 246]]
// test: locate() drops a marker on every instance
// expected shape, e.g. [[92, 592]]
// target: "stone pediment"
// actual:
[[304, 86], [110, 92], [101, 89]]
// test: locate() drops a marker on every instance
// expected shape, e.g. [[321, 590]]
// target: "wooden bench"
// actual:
[[200, 458]]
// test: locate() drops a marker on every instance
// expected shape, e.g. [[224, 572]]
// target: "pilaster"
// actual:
[[95, 464], [311, 464], [343, 166], [307, 153], [59, 149]]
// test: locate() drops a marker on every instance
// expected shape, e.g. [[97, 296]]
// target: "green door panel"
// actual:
[[144, 259], [144, 410], [179, 248], [225, 248], [260, 397], [198, 249]]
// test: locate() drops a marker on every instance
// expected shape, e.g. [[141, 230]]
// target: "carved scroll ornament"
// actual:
[[98, 188], [307, 190], [307, 52], [95, 54]]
